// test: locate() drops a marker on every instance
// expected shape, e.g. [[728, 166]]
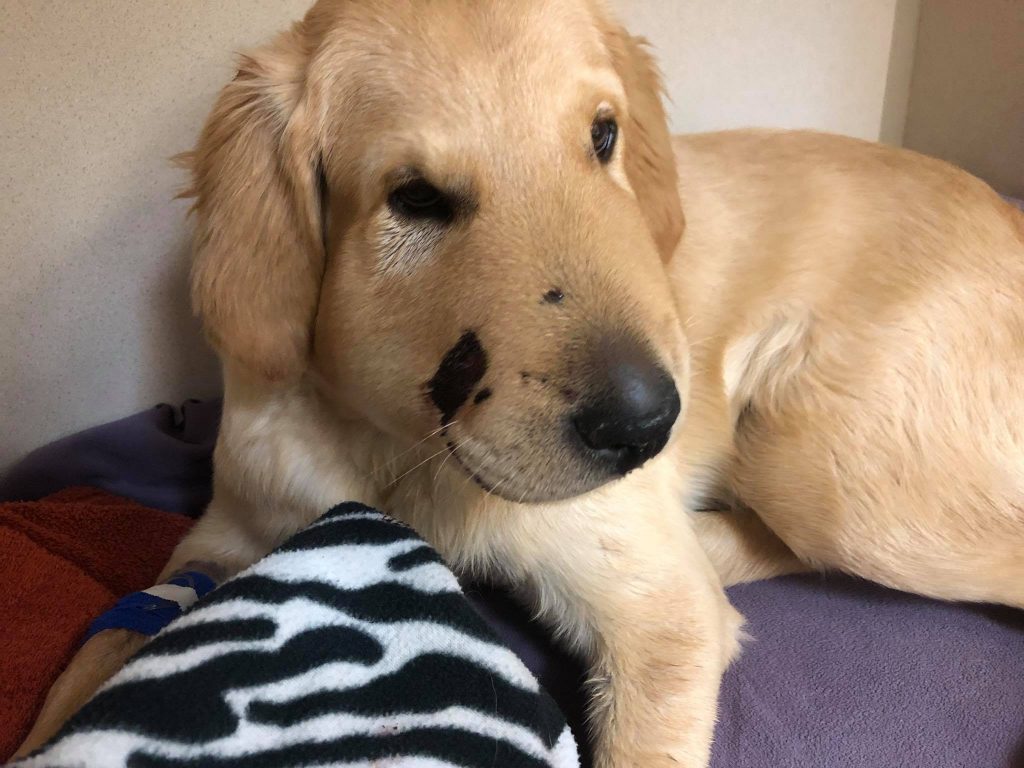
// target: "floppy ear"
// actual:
[[649, 160], [258, 250]]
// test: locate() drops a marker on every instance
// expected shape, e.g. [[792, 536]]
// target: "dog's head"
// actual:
[[454, 217]]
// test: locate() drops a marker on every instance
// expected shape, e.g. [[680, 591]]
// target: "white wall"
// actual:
[[97, 94]]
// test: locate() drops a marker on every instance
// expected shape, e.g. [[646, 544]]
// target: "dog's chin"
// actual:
[[522, 485]]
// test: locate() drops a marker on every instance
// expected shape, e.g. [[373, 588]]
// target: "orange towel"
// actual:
[[63, 561]]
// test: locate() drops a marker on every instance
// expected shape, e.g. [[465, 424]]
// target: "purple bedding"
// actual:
[[840, 673]]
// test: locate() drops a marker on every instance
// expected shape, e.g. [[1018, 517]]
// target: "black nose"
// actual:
[[631, 419]]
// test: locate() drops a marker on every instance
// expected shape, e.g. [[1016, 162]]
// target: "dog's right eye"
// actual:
[[418, 199]]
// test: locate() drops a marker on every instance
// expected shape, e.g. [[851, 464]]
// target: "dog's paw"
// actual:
[[673, 758]]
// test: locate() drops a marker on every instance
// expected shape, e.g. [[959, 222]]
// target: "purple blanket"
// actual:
[[840, 674]]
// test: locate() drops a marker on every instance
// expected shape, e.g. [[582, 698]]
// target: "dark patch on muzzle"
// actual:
[[462, 368]]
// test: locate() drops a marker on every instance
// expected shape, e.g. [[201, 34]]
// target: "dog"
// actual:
[[441, 250]]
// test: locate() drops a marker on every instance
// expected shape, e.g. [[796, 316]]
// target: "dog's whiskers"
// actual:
[[471, 476], [417, 466], [433, 433], [451, 452]]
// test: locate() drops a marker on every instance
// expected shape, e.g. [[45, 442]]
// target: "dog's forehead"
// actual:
[[488, 52], [494, 25]]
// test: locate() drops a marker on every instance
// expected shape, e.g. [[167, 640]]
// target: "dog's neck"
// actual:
[[284, 457]]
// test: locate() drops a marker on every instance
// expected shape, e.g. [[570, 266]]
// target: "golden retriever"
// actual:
[[441, 251]]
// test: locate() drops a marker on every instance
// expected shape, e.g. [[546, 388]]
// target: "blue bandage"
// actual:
[[151, 610]]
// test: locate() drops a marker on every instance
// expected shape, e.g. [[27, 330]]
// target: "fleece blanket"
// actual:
[[63, 561], [351, 645]]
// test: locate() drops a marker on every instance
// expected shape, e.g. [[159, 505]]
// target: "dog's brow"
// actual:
[[404, 174], [606, 83]]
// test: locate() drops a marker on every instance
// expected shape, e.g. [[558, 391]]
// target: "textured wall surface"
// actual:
[[98, 94], [782, 63]]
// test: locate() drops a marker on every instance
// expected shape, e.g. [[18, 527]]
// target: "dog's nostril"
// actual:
[[633, 420], [627, 440]]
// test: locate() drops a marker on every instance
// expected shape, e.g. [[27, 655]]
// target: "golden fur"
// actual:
[[843, 322]]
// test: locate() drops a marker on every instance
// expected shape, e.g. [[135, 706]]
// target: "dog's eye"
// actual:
[[418, 199], [603, 133]]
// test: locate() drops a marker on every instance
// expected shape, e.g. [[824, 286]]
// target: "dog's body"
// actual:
[[843, 322], [862, 310]]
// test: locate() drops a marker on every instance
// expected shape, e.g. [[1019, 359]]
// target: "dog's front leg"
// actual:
[[623, 578]]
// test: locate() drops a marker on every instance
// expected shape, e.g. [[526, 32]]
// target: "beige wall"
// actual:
[[97, 94], [967, 94], [782, 63], [901, 67]]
